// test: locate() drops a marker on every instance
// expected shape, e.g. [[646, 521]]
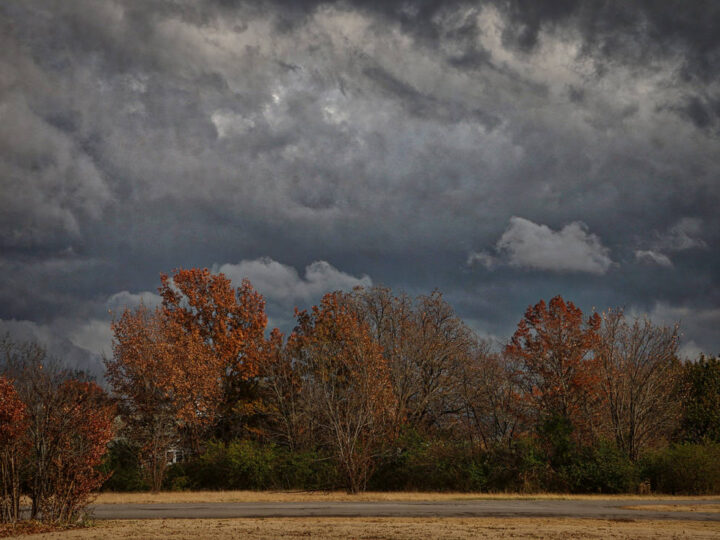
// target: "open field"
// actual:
[[341, 496], [380, 528]]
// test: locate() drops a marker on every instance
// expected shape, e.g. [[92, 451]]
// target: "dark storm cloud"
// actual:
[[559, 147]]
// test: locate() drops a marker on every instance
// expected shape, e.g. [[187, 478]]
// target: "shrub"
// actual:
[[247, 464], [603, 468], [684, 469], [434, 464], [123, 465]]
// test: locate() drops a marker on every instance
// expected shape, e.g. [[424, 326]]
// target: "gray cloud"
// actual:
[[653, 257], [284, 288], [390, 138], [525, 244]]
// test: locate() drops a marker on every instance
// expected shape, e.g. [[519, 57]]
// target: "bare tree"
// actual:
[[283, 398], [426, 346], [639, 377], [493, 411]]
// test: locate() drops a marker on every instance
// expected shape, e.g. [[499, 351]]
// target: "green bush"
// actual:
[[603, 468], [433, 464], [528, 465], [521, 468], [122, 462], [307, 469], [247, 464], [684, 469]]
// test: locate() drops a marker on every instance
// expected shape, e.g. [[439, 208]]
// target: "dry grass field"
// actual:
[[714, 508], [327, 496], [390, 528]]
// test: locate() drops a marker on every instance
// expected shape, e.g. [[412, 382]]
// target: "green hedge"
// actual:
[[421, 464], [246, 464], [688, 469], [121, 461]]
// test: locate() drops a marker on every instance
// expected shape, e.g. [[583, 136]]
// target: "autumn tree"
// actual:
[[69, 423], [13, 425], [139, 373], [230, 322], [168, 382], [81, 426], [553, 346], [426, 345], [346, 381], [639, 380]]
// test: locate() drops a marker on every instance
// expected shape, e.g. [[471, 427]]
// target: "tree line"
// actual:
[[370, 379], [372, 389]]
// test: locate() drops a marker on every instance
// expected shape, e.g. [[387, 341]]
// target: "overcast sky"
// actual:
[[501, 151]]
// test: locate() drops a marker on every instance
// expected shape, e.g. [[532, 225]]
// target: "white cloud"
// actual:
[[94, 335], [228, 123], [690, 350], [125, 299], [571, 249], [653, 257], [281, 283]]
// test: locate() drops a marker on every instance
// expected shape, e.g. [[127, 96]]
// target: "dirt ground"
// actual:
[[326, 496], [387, 528]]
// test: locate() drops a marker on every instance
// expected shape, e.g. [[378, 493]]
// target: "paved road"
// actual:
[[609, 509]]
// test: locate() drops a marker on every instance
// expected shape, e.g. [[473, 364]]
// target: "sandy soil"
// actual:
[[381, 528], [677, 507], [304, 496]]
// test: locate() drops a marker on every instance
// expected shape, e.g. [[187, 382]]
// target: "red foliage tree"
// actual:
[[232, 322], [553, 345], [81, 427], [13, 446]]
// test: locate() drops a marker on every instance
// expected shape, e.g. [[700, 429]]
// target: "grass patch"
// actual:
[[389, 528]]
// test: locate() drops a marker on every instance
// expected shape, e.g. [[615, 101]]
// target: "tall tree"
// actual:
[[285, 406], [139, 373], [427, 347], [168, 382], [558, 374], [231, 323], [347, 386], [639, 381]]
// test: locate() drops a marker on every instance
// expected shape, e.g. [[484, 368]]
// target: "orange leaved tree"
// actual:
[[230, 322], [168, 383], [559, 376], [347, 386]]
